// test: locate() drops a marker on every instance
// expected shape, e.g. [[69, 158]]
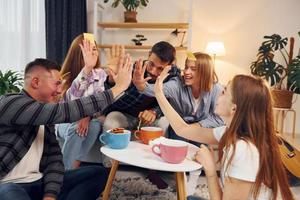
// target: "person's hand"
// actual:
[[113, 56], [138, 75], [147, 116], [123, 77], [205, 157], [90, 54], [83, 126], [158, 86]]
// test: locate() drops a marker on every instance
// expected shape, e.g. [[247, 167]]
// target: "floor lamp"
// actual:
[[215, 49]]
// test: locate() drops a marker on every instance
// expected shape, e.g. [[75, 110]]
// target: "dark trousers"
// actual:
[[83, 183], [173, 135]]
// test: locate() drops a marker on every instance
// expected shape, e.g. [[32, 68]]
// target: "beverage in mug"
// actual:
[[116, 139], [171, 151], [145, 134]]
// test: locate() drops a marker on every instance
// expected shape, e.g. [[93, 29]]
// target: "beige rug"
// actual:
[[131, 184]]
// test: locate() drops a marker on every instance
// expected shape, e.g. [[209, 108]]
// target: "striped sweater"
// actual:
[[20, 117]]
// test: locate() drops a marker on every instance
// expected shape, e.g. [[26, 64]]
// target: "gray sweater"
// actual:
[[20, 117], [181, 98]]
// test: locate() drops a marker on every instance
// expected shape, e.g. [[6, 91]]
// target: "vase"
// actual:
[[130, 16]]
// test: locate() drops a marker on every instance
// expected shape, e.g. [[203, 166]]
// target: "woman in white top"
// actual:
[[251, 167]]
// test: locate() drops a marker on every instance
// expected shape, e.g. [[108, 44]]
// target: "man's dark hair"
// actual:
[[41, 62], [165, 51]]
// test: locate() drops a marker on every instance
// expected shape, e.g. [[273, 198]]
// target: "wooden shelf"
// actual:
[[144, 25], [105, 46]]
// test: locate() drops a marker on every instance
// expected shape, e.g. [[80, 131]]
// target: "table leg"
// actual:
[[110, 180], [180, 185]]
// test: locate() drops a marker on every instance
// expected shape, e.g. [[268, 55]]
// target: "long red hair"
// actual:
[[253, 122]]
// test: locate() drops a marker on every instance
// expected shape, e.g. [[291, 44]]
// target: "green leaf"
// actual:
[[10, 81], [294, 75]]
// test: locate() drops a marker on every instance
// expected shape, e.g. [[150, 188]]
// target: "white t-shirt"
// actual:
[[244, 165], [27, 170]]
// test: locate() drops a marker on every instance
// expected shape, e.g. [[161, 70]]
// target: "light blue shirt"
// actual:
[[181, 98]]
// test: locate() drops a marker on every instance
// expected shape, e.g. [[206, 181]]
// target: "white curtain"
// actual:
[[22, 32]]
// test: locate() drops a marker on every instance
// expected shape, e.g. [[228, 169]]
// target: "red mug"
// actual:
[[171, 151]]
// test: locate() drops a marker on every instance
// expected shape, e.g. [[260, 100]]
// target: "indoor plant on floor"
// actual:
[[285, 78], [10, 81], [130, 6]]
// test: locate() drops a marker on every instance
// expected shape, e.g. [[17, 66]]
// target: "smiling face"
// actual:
[[49, 86], [191, 73]]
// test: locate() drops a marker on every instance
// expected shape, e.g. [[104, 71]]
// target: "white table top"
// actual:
[[140, 155]]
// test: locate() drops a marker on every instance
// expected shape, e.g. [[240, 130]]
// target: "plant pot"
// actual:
[[282, 98], [130, 16]]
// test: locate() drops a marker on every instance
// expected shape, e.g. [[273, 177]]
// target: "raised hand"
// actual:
[[113, 56], [158, 87], [206, 158], [123, 77], [138, 75], [90, 54]]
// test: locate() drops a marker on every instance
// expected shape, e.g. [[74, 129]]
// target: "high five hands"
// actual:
[[158, 87], [138, 75], [90, 55], [113, 57]]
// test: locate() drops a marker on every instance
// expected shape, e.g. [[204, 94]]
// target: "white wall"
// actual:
[[240, 25]]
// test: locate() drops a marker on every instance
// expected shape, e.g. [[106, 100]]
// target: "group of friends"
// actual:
[[82, 99]]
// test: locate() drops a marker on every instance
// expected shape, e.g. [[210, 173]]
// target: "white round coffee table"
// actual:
[[140, 155]]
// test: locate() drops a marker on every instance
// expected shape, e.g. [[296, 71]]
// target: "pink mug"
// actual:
[[171, 151]]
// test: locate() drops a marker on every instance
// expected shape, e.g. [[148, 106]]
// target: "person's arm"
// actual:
[[140, 82], [157, 111], [23, 110], [205, 157], [189, 131]]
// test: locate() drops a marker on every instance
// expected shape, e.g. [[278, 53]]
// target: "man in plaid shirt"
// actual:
[[134, 106]]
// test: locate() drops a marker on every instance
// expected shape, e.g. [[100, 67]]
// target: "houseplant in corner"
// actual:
[[130, 6], [285, 77], [10, 81]]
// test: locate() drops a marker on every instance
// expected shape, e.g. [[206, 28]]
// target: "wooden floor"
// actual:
[[295, 142]]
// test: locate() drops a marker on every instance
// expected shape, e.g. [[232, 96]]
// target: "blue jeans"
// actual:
[[76, 147], [83, 183]]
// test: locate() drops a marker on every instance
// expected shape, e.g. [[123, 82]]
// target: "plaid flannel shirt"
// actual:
[[133, 102]]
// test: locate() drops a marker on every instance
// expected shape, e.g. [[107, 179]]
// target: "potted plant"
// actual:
[[130, 7], [139, 39], [285, 78], [10, 81]]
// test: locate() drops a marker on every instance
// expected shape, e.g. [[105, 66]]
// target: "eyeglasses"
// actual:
[[151, 64]]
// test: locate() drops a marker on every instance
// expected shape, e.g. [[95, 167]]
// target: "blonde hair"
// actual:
[[206, 70]]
